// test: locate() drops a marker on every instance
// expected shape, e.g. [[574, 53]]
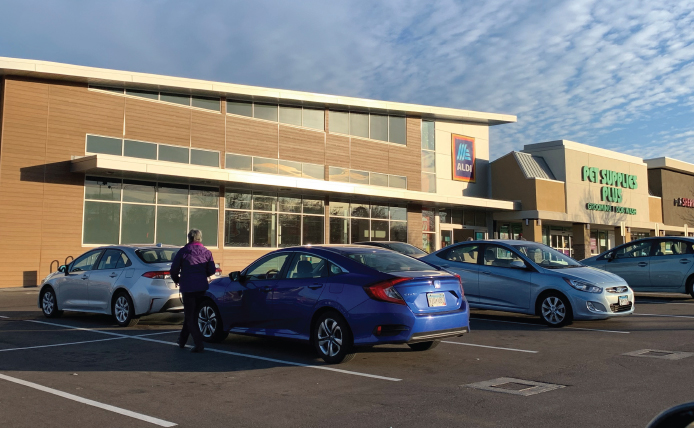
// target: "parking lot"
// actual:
[[81, 370]]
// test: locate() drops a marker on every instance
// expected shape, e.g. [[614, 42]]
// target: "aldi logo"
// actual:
[[463, 154]]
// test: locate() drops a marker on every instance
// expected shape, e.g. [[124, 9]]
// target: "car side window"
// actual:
[[639, 249], [495, 255], [123, 261], [85, 262], [463, 253], [335, 270], [267, 268], [308, 266], [670, 247], [109, 260]]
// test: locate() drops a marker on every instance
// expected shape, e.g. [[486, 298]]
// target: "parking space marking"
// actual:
[[238, 354], [77, 343], [542, 326], [666, 316], [663, 303], [491, 347], [114, 409]]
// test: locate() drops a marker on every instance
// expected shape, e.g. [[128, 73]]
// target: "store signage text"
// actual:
[[610, 208], [463, 155], [614, 182], [684, 202]]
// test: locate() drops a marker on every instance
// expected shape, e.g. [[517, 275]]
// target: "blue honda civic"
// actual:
[[338, 298]]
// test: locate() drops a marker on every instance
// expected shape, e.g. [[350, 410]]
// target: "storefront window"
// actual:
[[147, 212], [358, 221]]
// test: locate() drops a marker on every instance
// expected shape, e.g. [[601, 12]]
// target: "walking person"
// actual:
[[190, 268]]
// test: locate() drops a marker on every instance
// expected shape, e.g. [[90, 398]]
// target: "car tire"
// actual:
[[123, 310], [49, 303], [424, 346], [555, 310], [210, 322], [332, 338], [690, 286]]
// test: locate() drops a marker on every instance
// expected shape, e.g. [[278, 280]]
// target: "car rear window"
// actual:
[[386, 262], [157, 255], [405, 248]]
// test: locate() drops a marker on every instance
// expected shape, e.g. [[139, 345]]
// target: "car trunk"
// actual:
[[429, 292]]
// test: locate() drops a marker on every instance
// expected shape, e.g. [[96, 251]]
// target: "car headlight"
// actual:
[[583, 286]]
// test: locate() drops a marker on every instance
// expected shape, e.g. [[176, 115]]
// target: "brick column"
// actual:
[[581, 241]]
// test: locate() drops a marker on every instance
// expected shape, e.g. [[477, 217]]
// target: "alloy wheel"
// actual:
[[122, 309], [330, 337], [207, 321], [48, 302], [553, 310]]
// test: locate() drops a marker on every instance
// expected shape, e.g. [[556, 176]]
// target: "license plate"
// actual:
[[623, 300], [436, 299]]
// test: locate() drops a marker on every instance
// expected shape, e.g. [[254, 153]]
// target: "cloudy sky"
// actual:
[[615, 74]]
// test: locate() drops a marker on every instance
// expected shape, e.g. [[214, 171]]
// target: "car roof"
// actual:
[[139, 247], [338, 248], [380, 242]]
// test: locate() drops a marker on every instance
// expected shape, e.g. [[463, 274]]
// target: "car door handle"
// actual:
[[113, 275], [684, 261], [85, 277], [643, 264], [267, 289], [315, 286], [486, 273]]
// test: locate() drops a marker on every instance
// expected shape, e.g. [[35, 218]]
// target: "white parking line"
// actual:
[[491, 347], [140, 416], [538, 325], [79, 343], [666, 316], [663, 303], [238, 354]]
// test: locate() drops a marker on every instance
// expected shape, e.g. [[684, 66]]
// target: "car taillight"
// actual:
[[217, 270], [460, 280], [385, 291], [165, 274]]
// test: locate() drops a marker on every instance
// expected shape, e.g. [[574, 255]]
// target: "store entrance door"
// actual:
[[561, 241]]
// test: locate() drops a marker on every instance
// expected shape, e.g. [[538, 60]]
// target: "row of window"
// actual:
[[366, 125], [366, 177], [154, 151], [358, 221], [208, 103], [299, 116], [275, 166]]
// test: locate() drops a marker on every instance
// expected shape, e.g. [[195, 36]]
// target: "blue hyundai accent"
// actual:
[[338, 298]]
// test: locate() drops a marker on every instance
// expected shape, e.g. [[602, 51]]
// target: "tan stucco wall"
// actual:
[[655, 205], [444, 160], [674, 185], [549, 195]]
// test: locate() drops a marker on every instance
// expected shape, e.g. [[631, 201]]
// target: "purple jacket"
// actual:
[[191, 266]]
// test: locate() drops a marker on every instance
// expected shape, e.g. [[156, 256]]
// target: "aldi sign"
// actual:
[[463, 154]]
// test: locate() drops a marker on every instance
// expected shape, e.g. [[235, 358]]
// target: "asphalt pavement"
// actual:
[[511, 371]]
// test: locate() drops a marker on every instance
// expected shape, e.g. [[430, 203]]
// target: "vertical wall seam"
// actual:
[[43, 184]]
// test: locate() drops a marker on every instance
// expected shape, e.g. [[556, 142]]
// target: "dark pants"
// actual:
[[190, 325]]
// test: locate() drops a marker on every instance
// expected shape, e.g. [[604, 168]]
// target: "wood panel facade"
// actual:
[[43, 124]]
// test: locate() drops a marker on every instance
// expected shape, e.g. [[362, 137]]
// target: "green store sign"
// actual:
[[614, 182]]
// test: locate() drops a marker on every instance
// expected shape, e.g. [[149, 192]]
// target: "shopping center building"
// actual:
[[91, 156]]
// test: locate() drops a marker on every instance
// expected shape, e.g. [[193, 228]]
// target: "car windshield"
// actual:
[[386, 262], [157, 255], [403, 248], [546, 257]]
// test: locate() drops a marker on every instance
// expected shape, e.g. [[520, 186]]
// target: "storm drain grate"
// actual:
[[655, 353], [513, 386]]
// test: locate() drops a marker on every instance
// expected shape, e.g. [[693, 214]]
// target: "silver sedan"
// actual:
[[123, 281]]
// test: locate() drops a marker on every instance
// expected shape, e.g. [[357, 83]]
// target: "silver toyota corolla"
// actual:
[[531, 278], [123, 281]]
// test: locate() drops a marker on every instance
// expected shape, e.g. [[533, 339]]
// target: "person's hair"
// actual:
[[195, 235]]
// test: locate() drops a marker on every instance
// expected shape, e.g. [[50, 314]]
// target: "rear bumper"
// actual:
[[174, 304], [441, 334]]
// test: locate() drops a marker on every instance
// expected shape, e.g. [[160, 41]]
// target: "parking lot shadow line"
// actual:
[[237, 354], [545, 327], [78, 343], [108, 407], [490, 347], [664, 316]]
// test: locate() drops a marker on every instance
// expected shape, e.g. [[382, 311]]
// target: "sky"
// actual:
[[613, 74]]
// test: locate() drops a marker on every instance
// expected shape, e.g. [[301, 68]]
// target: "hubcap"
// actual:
[[48, 302], [329, 337], [122, 309], [207, 321], [553, 310]]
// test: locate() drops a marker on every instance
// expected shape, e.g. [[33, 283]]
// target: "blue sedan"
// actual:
[[338, 298]]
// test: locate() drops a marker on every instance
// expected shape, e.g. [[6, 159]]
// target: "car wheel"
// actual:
[[210, 323], [123, 310], [555, 310], [332, 338], [690, 286], [424, 346], [49, 304]]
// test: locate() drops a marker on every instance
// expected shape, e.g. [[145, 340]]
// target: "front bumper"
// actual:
[[604, 305]]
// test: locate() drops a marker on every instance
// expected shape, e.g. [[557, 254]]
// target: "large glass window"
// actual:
[[204, 157], [173, 154], [148, 212], [277, 221], [139, 149], [105, 145], [428, 157], [240, 108], [356, 222], [206, 103], [374, 126]]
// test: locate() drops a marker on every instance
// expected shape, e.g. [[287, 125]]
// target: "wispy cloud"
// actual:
[[613, 74]]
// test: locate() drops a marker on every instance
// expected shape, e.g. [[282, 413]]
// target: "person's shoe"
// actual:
[[196, 349], [180, 344]]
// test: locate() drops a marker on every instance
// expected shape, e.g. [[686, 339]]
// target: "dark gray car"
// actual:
[[657, 264]]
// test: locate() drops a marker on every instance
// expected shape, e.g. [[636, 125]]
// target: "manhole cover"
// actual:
[[514, 386], [655, 353]]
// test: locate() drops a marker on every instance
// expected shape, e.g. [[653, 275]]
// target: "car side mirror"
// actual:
[[676, 417], [611, 256], [62, 268], [235, 276], [517, 264]]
